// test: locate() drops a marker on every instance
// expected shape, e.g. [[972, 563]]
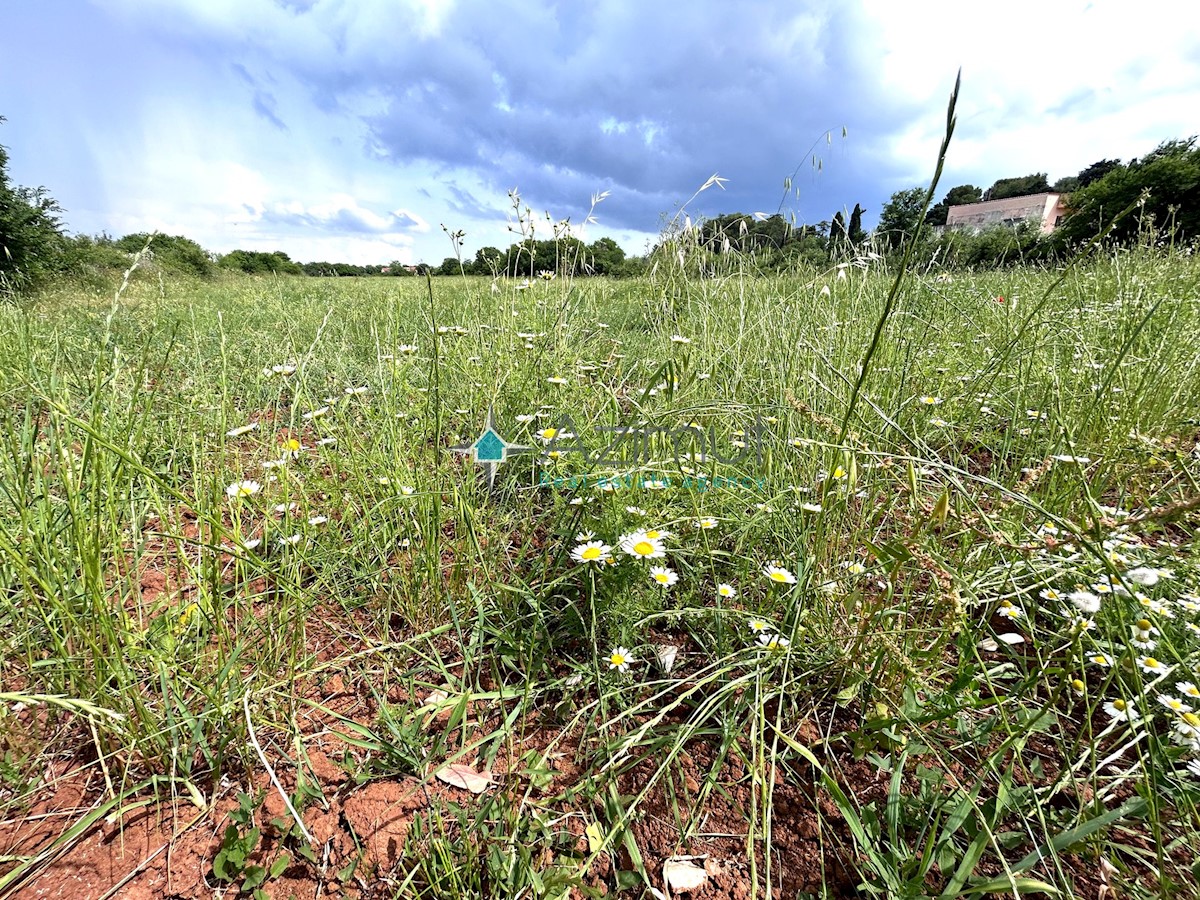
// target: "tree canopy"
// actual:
[[30, 232], [256, 262], [1017, 187], [900, 216], [1169, 176], [174, 252], [956, 196]]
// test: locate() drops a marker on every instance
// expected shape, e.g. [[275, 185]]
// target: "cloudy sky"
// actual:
[[354, 130]]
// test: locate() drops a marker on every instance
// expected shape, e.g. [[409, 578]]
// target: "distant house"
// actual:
[[1045, 209], [385, 270]]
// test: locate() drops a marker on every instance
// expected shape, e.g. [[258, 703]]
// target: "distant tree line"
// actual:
[[565, 256], [1163, 187], [34, 247], [1166, 181]]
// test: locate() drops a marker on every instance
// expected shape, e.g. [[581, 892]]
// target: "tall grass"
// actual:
[[909, 497]]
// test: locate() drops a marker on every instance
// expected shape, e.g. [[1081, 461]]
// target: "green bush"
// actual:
[[30, 233], [255, 262], [1169, 177], [1002, 245], [171, 253]]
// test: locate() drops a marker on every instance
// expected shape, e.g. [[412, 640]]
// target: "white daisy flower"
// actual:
[[1082, 623], [241, 489], [641, 545], [1008, 611], [592, 552], [1158, 607], [727, 591], [773, 641], [778, 574], [619, 658], [1188, 689], [1143, 633], [1120, 711], [1174, 704], [663, 576], [1186, 730], [1152, 666]]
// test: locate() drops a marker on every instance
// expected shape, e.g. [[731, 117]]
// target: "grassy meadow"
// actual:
[[787, 597]]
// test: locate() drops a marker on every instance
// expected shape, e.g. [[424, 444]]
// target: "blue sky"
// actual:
[[353, 130]]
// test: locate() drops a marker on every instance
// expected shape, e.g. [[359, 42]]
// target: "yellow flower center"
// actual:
[[1077, 684], [1191, 719], [591, 553], [292, 444], [661, 577], [643, 548], [617, 659], [1119, 705], [1143, 625], [1151, 663], [778, 576], [549, 433]]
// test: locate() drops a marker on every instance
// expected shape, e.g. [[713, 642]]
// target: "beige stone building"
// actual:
[[1045, 209]]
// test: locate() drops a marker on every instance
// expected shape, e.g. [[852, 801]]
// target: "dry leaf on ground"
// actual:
[[463, 776]]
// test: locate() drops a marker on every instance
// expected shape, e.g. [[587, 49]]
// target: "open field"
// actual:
[[262, 630]]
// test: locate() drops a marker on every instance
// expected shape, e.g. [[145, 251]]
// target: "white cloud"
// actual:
[[1046, 86], [314, 125]]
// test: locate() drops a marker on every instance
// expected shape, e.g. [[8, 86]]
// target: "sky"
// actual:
[[364, 131]]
